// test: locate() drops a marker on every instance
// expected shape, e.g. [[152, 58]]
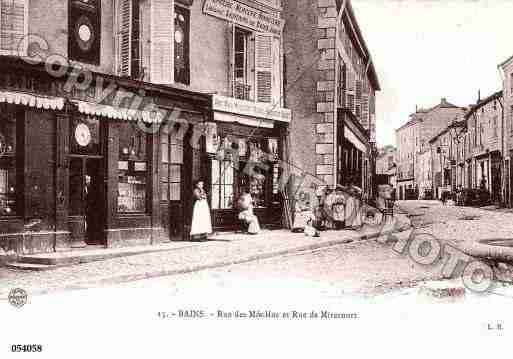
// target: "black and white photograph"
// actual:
[[256, 178]]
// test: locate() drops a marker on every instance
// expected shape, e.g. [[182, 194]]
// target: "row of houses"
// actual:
[[110, 110], [448, 148]]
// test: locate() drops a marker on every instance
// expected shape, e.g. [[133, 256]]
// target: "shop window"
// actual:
[[132, 170], [8, 188], [172, 163], [13, 26], [181, 41], [223, 181]]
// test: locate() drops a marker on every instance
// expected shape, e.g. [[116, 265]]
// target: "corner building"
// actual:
[[102, 147], [330, 86]]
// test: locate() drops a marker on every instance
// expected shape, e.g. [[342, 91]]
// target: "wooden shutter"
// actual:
[[263, 67], [162, 42], [124, 37], [230, 36], [277, 71], [13, 26]]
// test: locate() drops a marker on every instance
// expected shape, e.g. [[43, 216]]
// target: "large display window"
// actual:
[[8, 188], [132, 169], [254, 170]]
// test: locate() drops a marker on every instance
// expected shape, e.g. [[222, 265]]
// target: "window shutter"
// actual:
[[162, 42], [124, 37], [230, 35], [277, 71], [263, 67], [13, 26]]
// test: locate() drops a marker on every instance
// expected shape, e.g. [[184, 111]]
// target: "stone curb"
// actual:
[[216, 264]]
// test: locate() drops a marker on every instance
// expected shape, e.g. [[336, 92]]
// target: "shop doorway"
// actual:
[[86, 200], [176, 182]]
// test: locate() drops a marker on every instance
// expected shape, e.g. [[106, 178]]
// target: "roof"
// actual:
[[483, 102], [506, 61], [419, 114], [461, 124], [371, 70]]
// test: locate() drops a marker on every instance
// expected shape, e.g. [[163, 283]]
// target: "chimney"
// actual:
[[416, 108], [478, 95], [444, 100]]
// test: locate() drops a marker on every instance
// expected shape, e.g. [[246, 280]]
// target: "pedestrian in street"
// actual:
[[201, 221], [338, 208], [303, 213], [246, 215], [353, 216]]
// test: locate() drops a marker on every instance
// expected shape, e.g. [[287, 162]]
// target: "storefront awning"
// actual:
[[351, 137], [253, 122], [118, 113], [36, 101]]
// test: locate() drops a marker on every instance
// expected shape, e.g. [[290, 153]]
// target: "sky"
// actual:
[[424, 50]]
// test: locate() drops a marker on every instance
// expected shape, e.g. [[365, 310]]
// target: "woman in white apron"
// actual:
[[201, 222], [247, 215], [353, 207]]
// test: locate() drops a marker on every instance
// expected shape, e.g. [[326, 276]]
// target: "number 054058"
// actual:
[[26, 348]]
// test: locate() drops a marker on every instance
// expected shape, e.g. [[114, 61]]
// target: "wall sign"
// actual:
[[244, 15]]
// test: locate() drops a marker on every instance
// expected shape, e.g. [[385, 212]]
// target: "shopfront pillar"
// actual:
[[62, 234]]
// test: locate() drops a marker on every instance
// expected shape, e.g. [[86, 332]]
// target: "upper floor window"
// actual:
[[13, 26], [511, 82], [148, 33], [255, 65], [181, 43], [84, 29], [341, 82]]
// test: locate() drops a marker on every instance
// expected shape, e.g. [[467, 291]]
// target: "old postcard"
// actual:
[[256, 178]]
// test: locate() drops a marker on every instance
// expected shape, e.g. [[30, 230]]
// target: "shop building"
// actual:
[[103, 146], [484, 165], [330, 86], [445, 156]]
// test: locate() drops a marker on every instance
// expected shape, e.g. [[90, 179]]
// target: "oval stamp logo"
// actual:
[[18, 297]]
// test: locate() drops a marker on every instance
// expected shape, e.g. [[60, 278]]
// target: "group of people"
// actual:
[[201, 225], [331, 208]]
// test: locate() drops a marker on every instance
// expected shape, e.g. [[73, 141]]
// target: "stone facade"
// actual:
[[413, 138], [315, 46]]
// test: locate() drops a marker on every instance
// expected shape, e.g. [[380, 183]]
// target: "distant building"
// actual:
[[483, 147], [413, 138], [423, 175], [386, 160], [443, 148]]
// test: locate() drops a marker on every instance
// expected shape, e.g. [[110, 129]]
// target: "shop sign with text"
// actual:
[[244, 15]]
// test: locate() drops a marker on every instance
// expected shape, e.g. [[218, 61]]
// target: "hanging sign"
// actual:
[[244, 15]]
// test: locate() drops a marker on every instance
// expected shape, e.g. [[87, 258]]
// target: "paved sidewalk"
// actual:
[[224, 249]]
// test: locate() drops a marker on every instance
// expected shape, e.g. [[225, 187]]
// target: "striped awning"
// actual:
[[36, 101], [118, 113]]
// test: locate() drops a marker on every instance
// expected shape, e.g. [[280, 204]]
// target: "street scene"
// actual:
[[232, 160]]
